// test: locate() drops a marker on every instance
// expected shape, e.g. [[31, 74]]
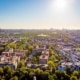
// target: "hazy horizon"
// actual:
[[40, 14]]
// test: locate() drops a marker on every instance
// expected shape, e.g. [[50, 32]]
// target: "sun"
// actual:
[[59, 5]]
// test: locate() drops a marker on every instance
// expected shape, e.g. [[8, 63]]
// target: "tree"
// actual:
[[1, 71], [11, 45], [37, 71], [51, 65], [75, 73], [45, 75], [20, 47], [68, 71], [52, 58], [21, 64], [7, 72], [34, 59], [30, 48], [31, 75], [54, 76], [73, 78], [14, 78], [50, 77], [2, 49]]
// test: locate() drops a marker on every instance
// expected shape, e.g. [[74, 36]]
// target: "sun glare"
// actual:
[[59, 5]]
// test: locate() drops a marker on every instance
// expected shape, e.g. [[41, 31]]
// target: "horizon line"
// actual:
[[37, 29]]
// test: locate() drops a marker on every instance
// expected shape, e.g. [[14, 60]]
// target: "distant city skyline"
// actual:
[[40, 14]]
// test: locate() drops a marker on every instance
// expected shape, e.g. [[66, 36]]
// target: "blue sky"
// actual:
[[39, 14]]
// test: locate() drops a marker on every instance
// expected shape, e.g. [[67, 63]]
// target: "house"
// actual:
[[43, 59], [11, 52], [36, 51], [9, 60], [72, 66], [9, 64]]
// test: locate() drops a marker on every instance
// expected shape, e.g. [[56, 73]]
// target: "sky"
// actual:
[[40, 14]]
